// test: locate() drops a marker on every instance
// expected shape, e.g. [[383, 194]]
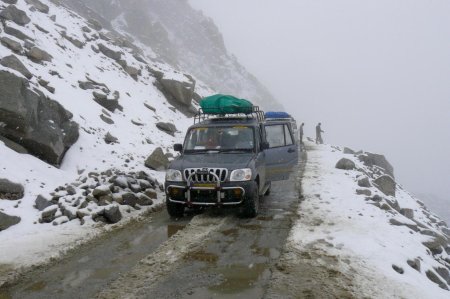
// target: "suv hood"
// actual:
[[230, 161]]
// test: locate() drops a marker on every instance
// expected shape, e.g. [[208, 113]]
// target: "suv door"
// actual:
[[282, 154]]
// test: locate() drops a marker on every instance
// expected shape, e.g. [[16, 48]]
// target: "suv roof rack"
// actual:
[[252, 113]]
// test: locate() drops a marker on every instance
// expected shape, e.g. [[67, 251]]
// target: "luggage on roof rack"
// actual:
[[227, 106], [280, 114]]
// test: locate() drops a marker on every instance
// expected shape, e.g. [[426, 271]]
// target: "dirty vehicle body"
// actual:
[[229, 162]]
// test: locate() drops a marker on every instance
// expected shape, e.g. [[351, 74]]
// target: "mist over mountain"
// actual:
[[182, 37]]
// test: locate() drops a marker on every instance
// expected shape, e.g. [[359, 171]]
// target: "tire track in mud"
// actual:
[[217, 256]]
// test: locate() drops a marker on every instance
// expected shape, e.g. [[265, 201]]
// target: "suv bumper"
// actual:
[[226, 194]]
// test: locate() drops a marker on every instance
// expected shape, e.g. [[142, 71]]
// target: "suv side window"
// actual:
[[287, 136], [275, 135]]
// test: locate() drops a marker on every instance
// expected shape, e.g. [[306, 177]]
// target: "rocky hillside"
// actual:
[[181, 37], [88, 118]]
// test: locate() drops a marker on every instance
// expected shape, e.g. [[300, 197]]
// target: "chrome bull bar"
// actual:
[[217, 187]]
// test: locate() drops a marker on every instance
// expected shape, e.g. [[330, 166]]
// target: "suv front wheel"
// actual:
[[175, 210], [251, 202]]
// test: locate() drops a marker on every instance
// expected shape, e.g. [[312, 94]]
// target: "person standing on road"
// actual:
[[319, 132], [301, 133]]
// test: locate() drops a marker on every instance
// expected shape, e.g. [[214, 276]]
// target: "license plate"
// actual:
[[205, 185]]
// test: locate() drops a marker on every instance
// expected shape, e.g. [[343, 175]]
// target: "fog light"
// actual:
[[174, 191], [237, 192]]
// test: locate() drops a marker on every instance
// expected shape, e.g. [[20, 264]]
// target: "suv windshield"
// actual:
[[223, 139]]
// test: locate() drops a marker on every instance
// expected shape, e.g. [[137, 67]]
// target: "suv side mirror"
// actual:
[[177, 147], [265, 145]]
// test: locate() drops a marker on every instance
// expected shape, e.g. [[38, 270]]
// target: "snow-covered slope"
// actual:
[[184, 38], [389, 246], [81, 74]]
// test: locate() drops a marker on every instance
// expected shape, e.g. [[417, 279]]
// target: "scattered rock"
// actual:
[[112, 214], [115, 55], [408, 213], [348, 151], [435, 278], [157, 160], [14, 63], [106, 119], [6, 221], [385, 184], [11, 44], [398, 269], [41, 203], [48, 214], [150, 107], [77, 43], [110, 139], [395, 222], [415, 264], [14, 14], [166, 127], [181, 91], [36, 54], [144, 200], [109, 104], [364, 182], [15, 32], [371, 160], [345, 164], [151, 194], [38, 5], [10, 190], [366, 192], [101, 191], [47, 135], [129, 199]]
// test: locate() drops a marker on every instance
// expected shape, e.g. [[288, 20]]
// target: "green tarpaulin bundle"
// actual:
[[225, 104]]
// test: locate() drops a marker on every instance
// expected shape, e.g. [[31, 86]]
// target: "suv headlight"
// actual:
[[241, 175], [174, 175]]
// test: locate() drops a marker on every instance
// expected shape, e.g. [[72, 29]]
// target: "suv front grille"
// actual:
[[222, 173]]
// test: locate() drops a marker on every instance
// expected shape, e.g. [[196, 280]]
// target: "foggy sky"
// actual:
[[375, 73]]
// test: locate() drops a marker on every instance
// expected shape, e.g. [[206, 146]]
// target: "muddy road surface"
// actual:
[[215, 254]]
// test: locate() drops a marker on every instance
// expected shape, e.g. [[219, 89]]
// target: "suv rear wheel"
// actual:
[[251, 202], [175, 210]]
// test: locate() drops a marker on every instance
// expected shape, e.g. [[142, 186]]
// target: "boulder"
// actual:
[[38, 5], [436, 279], [32, 120], [168, 128], [109, 104], [48, 214], [11, 44], [129, 199], [6, 221], [112, 214], [144, 200], [157, 160], [10, 190], [366, 192], [14, 63], [115, 55], [385, 184], [36, 54], [348, 151], [41, 203], [14, 146], [14, 14], [16, 32], [110, 139], [181, 91], [371, 160], [364, 182], [101, 191], [345, 164], [408, 213], [415, 264]]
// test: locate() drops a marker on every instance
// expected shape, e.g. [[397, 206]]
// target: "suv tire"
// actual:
[[175, 210], [251, 202], [268, 189]]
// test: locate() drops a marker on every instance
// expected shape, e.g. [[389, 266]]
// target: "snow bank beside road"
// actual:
[[357, 230]]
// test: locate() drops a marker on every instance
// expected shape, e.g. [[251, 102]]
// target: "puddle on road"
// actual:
[[37, 286], [172, 229], [201, 256], [230, 232], [265, 218], [250, 226], [237, 278]]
